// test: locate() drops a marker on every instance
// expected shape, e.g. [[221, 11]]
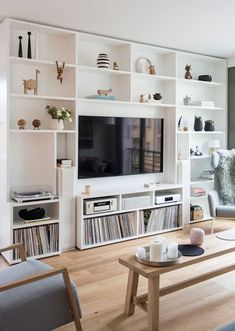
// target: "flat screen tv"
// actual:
[[116, 146]]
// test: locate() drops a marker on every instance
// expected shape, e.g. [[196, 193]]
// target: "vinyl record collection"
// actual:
[[152, 220], [101, 229], [38, 240]]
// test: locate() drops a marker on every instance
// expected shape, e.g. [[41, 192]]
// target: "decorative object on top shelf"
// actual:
[[141, 99], [157, 96], [142, 65], [60, 70], [29, 52], [209, 125], [196, 213], [198, 126], [187, 100], [104, 92], [115, 66], [197, 236], [205, 78], [103, 61], [58, 116], [20, 51], [213, 146], [36, 124], [188, 73], [21, 124], [31, 84], [152, 69]]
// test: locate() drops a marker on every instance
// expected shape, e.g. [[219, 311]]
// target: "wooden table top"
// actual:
[[213, 247]]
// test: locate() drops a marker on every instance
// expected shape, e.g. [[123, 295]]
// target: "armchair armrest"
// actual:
[[19, 246], [213, 199], [46, 274]]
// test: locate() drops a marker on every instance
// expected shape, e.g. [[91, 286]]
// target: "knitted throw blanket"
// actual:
[[226, 176]]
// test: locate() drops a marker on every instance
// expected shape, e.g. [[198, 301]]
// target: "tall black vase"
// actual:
[[29, 55], [20, 51]]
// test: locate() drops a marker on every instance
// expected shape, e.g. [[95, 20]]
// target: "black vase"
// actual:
[[198, 124], [20, 51], [29, 55]]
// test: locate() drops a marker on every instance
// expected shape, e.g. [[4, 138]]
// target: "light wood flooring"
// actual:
[[102, 281]]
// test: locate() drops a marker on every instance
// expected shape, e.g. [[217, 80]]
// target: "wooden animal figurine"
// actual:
[[36, 124], [21, 124], [31, 84], [152, 69], [141, 98], [60, 70], [104, 92], [188, 73]]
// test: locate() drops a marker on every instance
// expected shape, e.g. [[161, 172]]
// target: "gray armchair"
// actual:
[[35, 296], [222, 198]]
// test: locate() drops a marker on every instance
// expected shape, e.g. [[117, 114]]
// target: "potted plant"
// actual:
[[58, 116]]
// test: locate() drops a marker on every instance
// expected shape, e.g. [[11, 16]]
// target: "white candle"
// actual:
[[140, 251], [172, 251], [164, 243], [155, 250]]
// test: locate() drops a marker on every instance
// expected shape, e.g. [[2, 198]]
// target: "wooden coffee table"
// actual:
[[149, 302]]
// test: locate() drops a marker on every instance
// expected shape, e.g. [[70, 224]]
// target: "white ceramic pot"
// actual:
[[56, 124]]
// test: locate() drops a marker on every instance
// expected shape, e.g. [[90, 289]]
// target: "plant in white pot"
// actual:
[[58, 116]]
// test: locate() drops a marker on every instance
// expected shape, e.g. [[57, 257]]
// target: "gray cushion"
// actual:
[[228, 327], [38, 306], [225, 211]]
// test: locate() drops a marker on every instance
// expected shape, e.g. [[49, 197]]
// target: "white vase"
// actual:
[[56, 124]]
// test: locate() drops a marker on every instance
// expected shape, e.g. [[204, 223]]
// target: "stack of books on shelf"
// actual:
[[64, 163], [153, 220], [37, 240], [108, 228], [198, 191]]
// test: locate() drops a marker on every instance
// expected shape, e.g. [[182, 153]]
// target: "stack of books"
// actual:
[[198, 191], [64, 163]]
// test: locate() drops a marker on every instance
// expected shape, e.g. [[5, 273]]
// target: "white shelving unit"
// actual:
[[28, 157], [124, 223]]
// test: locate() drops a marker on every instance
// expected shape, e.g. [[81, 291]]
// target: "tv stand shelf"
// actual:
[[136, 215]]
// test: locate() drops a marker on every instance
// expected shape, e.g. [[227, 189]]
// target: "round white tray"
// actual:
[[165, 262]]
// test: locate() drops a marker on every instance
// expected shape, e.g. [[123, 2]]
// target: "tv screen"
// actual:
[[115, 146]]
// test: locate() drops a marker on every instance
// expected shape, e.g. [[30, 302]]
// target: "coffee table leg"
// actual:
[[153, 303], [131, 292]]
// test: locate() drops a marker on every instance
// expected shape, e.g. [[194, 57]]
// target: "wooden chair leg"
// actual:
[[212, 225]]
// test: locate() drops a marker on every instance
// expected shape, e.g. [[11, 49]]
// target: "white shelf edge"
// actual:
[[23, 60], [46, 97], [41, 131], [127, 103], [21, 224], [198, 107], [192, 182], [39, 202], [199, 197], [199, 82], [156, 77], [200, 157], [84, 68]]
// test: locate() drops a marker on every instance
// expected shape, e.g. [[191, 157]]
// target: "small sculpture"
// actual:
[[104, 92], [115, 66], [179, 122], [198, 126], [29, 54], [20, 51], [31, 84], [152, 69], [187, 100], [22, 124], [141, 98], [36, 124], [197, 152], [103, 61], [60, 70], [188, 74], [157, 96]]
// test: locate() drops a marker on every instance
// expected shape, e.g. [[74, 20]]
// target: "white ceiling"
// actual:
[[201, 26]]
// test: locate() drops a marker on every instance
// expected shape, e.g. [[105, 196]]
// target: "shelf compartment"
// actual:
[[59, 43], [47, 80], [29, 109]]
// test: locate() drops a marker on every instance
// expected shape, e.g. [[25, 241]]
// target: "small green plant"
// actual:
[[59, 113]]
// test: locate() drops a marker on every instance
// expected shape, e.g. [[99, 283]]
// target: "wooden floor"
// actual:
[[101, 282]]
